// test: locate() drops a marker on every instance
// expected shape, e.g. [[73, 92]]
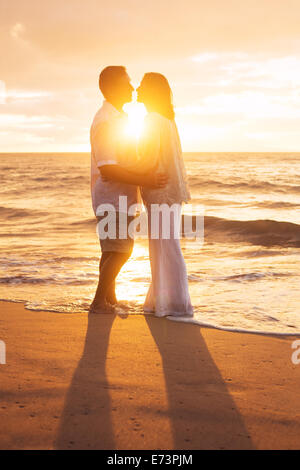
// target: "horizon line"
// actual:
[[184, 152]]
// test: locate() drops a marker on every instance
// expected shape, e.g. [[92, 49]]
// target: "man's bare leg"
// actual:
[[110, 268], [111, 293]]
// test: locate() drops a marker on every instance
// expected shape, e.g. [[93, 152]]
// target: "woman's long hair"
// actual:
[[160, 94]]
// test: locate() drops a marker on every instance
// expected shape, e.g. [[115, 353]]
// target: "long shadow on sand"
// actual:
[[86, 419], [201, 411]]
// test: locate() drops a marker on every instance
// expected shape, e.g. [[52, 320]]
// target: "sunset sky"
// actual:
[[234, 67]]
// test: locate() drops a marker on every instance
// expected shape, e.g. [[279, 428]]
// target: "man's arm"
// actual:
[[118, 173]]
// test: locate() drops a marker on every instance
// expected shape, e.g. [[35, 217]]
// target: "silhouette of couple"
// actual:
[[155, 165], [200, 410]]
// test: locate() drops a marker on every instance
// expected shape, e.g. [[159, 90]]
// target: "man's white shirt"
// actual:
[[106, 137]]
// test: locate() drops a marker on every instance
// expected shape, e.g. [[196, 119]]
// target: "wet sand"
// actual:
[[74, 381]]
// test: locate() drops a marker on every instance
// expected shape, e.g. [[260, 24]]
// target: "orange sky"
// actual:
[[234, 67]]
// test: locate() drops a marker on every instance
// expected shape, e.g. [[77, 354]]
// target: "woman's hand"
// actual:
[[105, 179], [156, 180]]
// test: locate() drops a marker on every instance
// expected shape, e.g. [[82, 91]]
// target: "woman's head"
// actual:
[[155, 92]]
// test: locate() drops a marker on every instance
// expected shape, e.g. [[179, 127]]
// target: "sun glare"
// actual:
[[136, 115]]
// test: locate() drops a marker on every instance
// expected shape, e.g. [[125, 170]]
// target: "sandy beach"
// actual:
[[74, 381], [193, 109]]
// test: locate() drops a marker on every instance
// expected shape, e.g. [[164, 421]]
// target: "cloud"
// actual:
[[251, 104], [258, 70], [219, 57], [2, 92], [233, 66], [206, 57], [17, 30], [34, 122]]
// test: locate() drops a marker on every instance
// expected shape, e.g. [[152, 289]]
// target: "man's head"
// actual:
[[115, 85]]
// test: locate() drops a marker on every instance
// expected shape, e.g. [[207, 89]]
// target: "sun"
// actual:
[[136, 115]]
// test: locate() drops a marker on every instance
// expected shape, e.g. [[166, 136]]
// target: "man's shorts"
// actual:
[[115, 231]]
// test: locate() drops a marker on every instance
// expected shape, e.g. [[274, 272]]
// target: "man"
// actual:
[[109, 180]]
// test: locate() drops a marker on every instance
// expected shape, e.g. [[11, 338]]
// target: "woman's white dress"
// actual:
[[160, 148]]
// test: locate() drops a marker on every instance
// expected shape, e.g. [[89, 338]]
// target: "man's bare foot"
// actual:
[[112, 300], [103, 307]]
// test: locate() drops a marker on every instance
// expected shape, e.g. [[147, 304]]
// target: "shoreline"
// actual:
[[169, 318], [136, 382]]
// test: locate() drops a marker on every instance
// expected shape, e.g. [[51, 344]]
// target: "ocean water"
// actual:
[[245, 276]]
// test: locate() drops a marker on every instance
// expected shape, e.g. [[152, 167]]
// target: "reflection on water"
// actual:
[[246, 275]]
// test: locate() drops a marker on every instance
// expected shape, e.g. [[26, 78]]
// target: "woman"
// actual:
[[160, 148]]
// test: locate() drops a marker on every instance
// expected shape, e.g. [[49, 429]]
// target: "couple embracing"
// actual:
[[155, 166]]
